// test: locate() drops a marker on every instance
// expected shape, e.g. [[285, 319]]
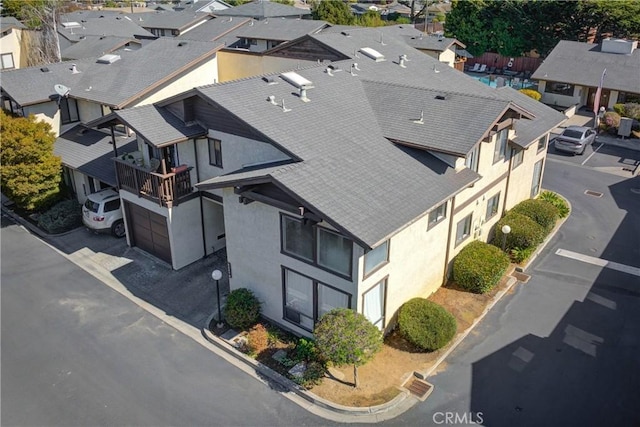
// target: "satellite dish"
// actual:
[[61, 90]]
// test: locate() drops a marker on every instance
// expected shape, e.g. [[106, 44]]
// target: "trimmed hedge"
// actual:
[[479, 266], [426, 324], [63, 216], [242, 308], [525, 232], [541, 211]]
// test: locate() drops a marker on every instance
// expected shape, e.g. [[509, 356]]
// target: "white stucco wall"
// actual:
[[10, 43], [88, 110], [47, 112], [448, 56], [522, 176], [579, 96], [213, 217]]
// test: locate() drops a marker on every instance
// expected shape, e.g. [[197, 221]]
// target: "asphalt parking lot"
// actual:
[[602, 157]]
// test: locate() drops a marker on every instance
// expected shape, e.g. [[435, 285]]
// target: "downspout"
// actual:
[[204, 237], [113, 141], [446, 256]]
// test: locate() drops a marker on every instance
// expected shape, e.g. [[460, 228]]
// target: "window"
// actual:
[[7, 61], [517, 154], [334, 251], [215, 152], [559, 88], [374, 304], [319, 246], [306, 300], [438, 214], [112, 205], [471, 161], [542, 143], [537, 176], [375, 258], [463, 229], [501, 145], [68, 110], [492, 206]]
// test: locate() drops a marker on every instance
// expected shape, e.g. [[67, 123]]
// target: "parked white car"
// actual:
[[101, 212]]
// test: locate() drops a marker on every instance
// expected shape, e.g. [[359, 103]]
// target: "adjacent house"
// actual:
[[259, 9], [169, 23], [10, 43], [445, 49], [70, 93], [572, 72], [349, 183], [90, 46]]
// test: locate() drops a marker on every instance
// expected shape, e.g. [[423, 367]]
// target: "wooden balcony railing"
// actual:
[[166, 189]]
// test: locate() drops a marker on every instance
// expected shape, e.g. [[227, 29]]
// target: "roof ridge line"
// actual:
[[434, 90]]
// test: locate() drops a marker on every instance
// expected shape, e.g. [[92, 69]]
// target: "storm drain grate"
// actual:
[[419, 388], [593, 193], [521, 277]]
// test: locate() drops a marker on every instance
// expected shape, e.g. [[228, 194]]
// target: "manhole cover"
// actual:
[[593, 193], [521, 277], [419, 388]]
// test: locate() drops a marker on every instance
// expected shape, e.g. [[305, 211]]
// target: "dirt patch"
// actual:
[[381, 379]]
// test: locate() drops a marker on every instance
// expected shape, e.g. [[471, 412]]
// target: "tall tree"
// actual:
[[333, 11], [345, 337], [30, 173]]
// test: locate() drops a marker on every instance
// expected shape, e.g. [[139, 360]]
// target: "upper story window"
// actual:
[[517, 155], [438, 214], [559, 88], [68, 110], [463, 229], [376, 258], [471, 161], [316, 245], [500, 151], [7, 61], [542, 143], [215, 152]]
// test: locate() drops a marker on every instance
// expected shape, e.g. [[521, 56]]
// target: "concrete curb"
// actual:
[[357, 413]]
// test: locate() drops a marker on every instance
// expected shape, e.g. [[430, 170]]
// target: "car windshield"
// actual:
[[92, 206], [572, 133]]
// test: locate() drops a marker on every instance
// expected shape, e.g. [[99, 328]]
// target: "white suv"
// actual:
[[101, 212]]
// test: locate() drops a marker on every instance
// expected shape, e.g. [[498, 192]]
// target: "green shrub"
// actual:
[[619, 108], [532, 93], [306, 350], [631, 110], [426, 324], [541, 211], [557, 201], [63, 216], [313, 375], [242, 308], [479, 266], [519, 255], [525, 232]]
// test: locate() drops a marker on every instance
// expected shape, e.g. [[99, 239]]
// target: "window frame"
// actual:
[[536, 186], [500, 149], [384, 282], [365, 273], [543, 139], [472, 158], [517, 154], [68, 105], [315, 240], [492, 207], [315, 284], [216, 159], [13, 62], [439, 219], [550, 87], [469, 219]]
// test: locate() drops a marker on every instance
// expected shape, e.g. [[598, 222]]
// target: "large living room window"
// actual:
[[316, 245], [559, 88], [306, 300], [68, 110]]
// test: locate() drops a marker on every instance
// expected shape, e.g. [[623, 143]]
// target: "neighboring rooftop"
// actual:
[[264, 9], [9, 22], [168, 20], [281, 29], [105, 25], [96, 46], [583, 63], [221, 29]]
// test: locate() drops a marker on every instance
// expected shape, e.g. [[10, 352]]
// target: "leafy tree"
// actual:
[[345, 337], [370, 18], [333, 11], [30, 174]]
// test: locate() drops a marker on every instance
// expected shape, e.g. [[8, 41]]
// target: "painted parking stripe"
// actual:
[[591, 155], [599, 262]]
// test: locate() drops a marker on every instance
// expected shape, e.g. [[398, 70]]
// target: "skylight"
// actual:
[[297, 80], [72, 24], [372, 53]]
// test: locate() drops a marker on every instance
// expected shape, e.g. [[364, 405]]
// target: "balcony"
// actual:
[[165, 189]]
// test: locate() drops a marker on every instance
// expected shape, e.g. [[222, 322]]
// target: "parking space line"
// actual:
[[599, 262], [591, 155]]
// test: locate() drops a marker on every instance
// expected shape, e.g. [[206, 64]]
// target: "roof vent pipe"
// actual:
[[353, 67], [330, 71], [272, 100], [74, 69], [302, 93], [401, 61]]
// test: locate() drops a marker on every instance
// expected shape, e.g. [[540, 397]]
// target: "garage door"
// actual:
[[149, 231]]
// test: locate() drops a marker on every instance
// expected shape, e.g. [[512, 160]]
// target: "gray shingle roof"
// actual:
[[90, 151], [262, 10], [583, 63], [431, 42], [109, 25], [168, 20], [218, 29], [281, 30], [7, 22], [350, 173], [116, 84], [157, 125], [95, 46]]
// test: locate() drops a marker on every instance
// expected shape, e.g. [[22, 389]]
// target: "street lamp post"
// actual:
[[217, 275], [505, 230]]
